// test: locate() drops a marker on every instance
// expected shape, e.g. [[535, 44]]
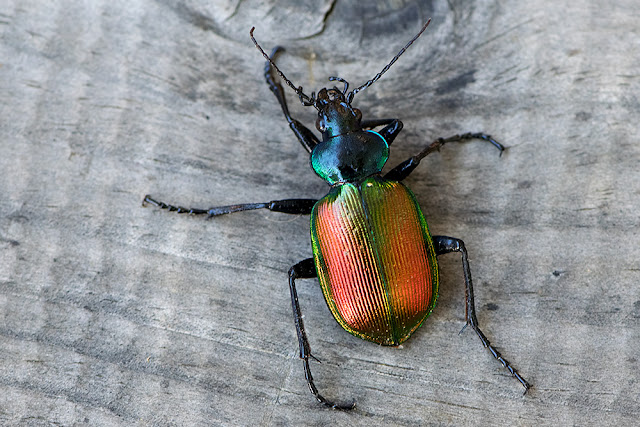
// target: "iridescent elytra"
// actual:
[[372, 251], [375, 259]]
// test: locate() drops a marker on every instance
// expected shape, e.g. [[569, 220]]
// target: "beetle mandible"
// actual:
[[372, 250]]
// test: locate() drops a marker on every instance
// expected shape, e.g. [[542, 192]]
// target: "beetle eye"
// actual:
[[320, 125], [358, 114]]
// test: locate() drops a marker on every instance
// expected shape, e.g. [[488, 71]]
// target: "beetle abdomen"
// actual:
[[375, 259]]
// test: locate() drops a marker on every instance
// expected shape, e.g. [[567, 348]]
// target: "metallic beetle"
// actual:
[[372, 250]]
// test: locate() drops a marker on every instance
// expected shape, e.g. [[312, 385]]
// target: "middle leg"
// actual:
[[403, 170]]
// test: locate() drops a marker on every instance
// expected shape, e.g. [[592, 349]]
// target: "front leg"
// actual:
[[306, 137], [289, 206], [403, 170], [392, 127], [445, 245]]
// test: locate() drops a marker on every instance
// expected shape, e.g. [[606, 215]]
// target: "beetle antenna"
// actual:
[[305, 99], [386, 68]]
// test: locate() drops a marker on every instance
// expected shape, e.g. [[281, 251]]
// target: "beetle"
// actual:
[[372, 250]]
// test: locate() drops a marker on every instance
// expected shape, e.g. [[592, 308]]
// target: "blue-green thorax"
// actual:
[[347, 153]]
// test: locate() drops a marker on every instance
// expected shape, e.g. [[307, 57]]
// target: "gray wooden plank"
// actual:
[[111, 313]]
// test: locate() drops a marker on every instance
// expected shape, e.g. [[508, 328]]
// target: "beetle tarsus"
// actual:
[[487, 344], [444, 245], [172, 208], [321, 398]]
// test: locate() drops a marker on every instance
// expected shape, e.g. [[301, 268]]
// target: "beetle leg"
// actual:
[[444, 245], [403, 170], [305, 270], [289, 206], [304, 134], [392, 127]]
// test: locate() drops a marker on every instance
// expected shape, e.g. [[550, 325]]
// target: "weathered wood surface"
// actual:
[[111, 313]]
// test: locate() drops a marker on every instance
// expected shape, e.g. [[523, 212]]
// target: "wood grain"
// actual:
[[115, 314]]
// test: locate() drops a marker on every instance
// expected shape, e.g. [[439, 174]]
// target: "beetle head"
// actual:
[[336, 116]]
